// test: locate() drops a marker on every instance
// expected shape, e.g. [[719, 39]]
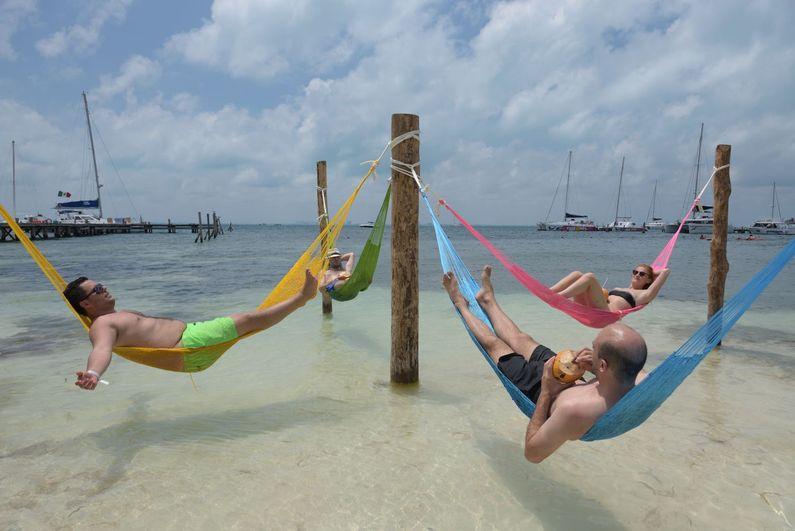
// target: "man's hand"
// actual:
[[584, 359], [86, 381], [550, 385]]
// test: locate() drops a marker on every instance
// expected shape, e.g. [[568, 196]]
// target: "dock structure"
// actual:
[[47, 231]]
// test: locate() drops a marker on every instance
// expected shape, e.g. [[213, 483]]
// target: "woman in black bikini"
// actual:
[[586, 289]]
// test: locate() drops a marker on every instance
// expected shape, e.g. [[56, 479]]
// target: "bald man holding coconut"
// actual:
[[565, 409]]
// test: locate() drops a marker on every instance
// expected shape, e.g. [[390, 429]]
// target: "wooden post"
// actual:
[[719, 264], [404, 364], [322, 216], [199, 236]]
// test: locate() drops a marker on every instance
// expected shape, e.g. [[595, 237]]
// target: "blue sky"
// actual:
[[228, 104]]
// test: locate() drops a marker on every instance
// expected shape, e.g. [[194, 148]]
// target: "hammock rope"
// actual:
[[362, 275], [593, 317], [180, 359], [637, 405]]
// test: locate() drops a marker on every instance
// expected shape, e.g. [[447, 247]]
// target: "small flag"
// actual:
[[64, 194]]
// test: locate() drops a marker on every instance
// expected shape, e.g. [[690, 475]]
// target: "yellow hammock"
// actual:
[[198, 359]]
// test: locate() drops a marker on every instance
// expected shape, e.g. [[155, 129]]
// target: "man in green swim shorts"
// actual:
[[111, 328]]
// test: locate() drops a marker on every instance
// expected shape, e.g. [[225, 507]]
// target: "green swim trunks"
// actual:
[[207, 333]]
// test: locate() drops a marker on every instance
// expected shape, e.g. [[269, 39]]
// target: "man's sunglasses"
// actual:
[[98, 288], [635, 273]]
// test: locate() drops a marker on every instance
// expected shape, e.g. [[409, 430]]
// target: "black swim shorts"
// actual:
[[526, 374]]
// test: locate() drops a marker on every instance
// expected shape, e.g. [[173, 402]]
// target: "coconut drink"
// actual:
[[564, 368]]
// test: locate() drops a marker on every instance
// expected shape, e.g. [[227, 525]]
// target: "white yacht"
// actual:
[[622, 223], [701, 222], [571, 222], [79, 218], [625, 224], [772, 225], [654, 223]]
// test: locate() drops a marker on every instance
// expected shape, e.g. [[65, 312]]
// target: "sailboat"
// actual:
[[571, 222], [71, 212], [623, 223], [654, 223], [24, 218], [772, 225], [701, 222]]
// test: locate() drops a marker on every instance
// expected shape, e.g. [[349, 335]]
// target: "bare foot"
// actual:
[[310, 286], [486, 293], [451, 285]]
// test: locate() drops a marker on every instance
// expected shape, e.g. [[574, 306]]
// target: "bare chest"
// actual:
[[135, 329]]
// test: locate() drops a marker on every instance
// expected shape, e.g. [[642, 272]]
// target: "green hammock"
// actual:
[[362, 275]]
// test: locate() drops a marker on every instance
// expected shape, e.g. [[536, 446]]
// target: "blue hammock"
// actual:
[[637, 405]]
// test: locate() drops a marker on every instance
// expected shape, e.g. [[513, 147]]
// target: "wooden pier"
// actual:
[[47, 231]]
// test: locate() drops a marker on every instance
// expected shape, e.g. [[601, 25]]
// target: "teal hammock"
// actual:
[[637, 405], [362, 275]]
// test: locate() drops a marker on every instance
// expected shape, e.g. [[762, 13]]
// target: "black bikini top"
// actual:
[[627, 296]]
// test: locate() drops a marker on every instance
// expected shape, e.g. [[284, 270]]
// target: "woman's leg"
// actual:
[[566, 281], [587, 291]]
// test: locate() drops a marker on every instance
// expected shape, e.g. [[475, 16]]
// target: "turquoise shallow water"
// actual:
[[298, 426]]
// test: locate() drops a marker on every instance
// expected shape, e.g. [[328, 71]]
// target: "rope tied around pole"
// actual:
[[324, 215]]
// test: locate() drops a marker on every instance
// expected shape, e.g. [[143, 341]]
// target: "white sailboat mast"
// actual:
[[618, 199], [654, 201], [698, 160], [566, 200], [14, 178], [93, 153]]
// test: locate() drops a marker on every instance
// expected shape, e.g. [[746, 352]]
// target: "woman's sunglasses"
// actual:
[[98, 288], [635, 273]]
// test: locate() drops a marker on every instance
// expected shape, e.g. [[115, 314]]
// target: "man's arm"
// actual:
[[328, 277], [103, 337], [546, 433], [648, 294], [349, 259]]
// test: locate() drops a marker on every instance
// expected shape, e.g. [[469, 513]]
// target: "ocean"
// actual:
[[298, 427]]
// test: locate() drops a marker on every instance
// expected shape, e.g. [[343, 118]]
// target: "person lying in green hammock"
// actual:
[[563, 411], [111, 328], [339, 270], [585, 289]]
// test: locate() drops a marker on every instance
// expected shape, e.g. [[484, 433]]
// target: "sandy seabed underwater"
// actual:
[[298, 427]]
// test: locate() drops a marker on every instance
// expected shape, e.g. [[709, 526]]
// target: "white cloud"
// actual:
[[82, 37], [683, 108], [500, 106], [12, 14], [262, 39], [137, 70]]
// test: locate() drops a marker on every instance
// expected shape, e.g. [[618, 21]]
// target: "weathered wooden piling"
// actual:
[[719, 263], [199, 235], [322, 219], [404, 364]]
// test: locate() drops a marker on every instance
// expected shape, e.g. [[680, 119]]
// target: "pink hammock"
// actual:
[[593, 317]]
